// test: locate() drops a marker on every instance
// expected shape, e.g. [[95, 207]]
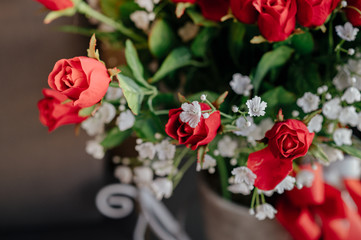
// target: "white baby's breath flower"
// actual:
[[241, 84], [141, 19], [146, 150], [351, 51], [265, 211], [315, 125], [244, 174], [188, 31], [309, 102], [124, 174], [295, 113], [245, 127], [349, 116], [331, 109], [191, 113], [106, 112], [94, 149], [342, 79], [208, 163], [235, 109], [162, 187], [287, 183], [347, 32], [304, 178], [113, 93], [146, 4], [343, 3], [125, 120], [165, 150], [260, 130], [342, 136], [241, 188], [163, 167], [93, 126], [227, 146], [333, 154], [351, 95], [256, 107], [143, 176]]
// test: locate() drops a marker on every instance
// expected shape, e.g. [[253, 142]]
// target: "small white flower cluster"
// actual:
[[142, 18], [264, 211], [143, 177], [209, 163], [243, 181], [241, 84], [165, 151], [288, 183]]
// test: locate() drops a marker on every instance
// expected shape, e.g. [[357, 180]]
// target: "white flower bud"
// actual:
[[351, 51], [203, 97], [343, 4], [353, 80], [121, 108], [206, 115], [211, 170], [235, 108], [139, 141], [295, 113], [319, 90], [251, 211], [249, 124], [158, 136], [328, 96], [233, 161], [216, 152], [324, 88]]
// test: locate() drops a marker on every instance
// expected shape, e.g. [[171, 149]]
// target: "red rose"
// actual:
[[54, 113], [214, 9], [286, 141], [203, 133], [211, 9], [244, 11], [352, 15], [277, 18], [56, 5], [83, 80], [313, 13]]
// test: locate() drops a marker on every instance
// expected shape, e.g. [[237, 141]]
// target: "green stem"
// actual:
[[161, 112], [226, 115], [263, 198], [180, 156], [223, 175], [255, 193], [87, 10], [354, 8], [181, 172]]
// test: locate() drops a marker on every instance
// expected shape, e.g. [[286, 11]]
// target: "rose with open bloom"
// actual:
[[56, 5], [313, 13], [54, 113], [287, 140], [277, 18], [200, 133], [83, 80]]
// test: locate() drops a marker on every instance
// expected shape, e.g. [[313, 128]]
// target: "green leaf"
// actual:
[[351, 150], [92, 51], [179, 57], [235, 40], [132, 92], [201, 43], [134, 63], [146, 127], [270, 60], [115, 137], [199, 19], [318, 153], [302, 43], [68, 12], [85, 112], [161, 38], [277, 98]]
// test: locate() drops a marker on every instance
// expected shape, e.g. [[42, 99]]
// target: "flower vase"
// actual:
[[226, 220]]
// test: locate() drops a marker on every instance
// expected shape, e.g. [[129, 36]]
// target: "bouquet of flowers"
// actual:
[[263, 94]]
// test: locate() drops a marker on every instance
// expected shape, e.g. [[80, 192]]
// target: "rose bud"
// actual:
[[56, 5], [187, 124], [83, 80], [54, 113], [277, 19]]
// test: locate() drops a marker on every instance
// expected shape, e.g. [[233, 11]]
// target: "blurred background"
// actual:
[[48, 183]]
